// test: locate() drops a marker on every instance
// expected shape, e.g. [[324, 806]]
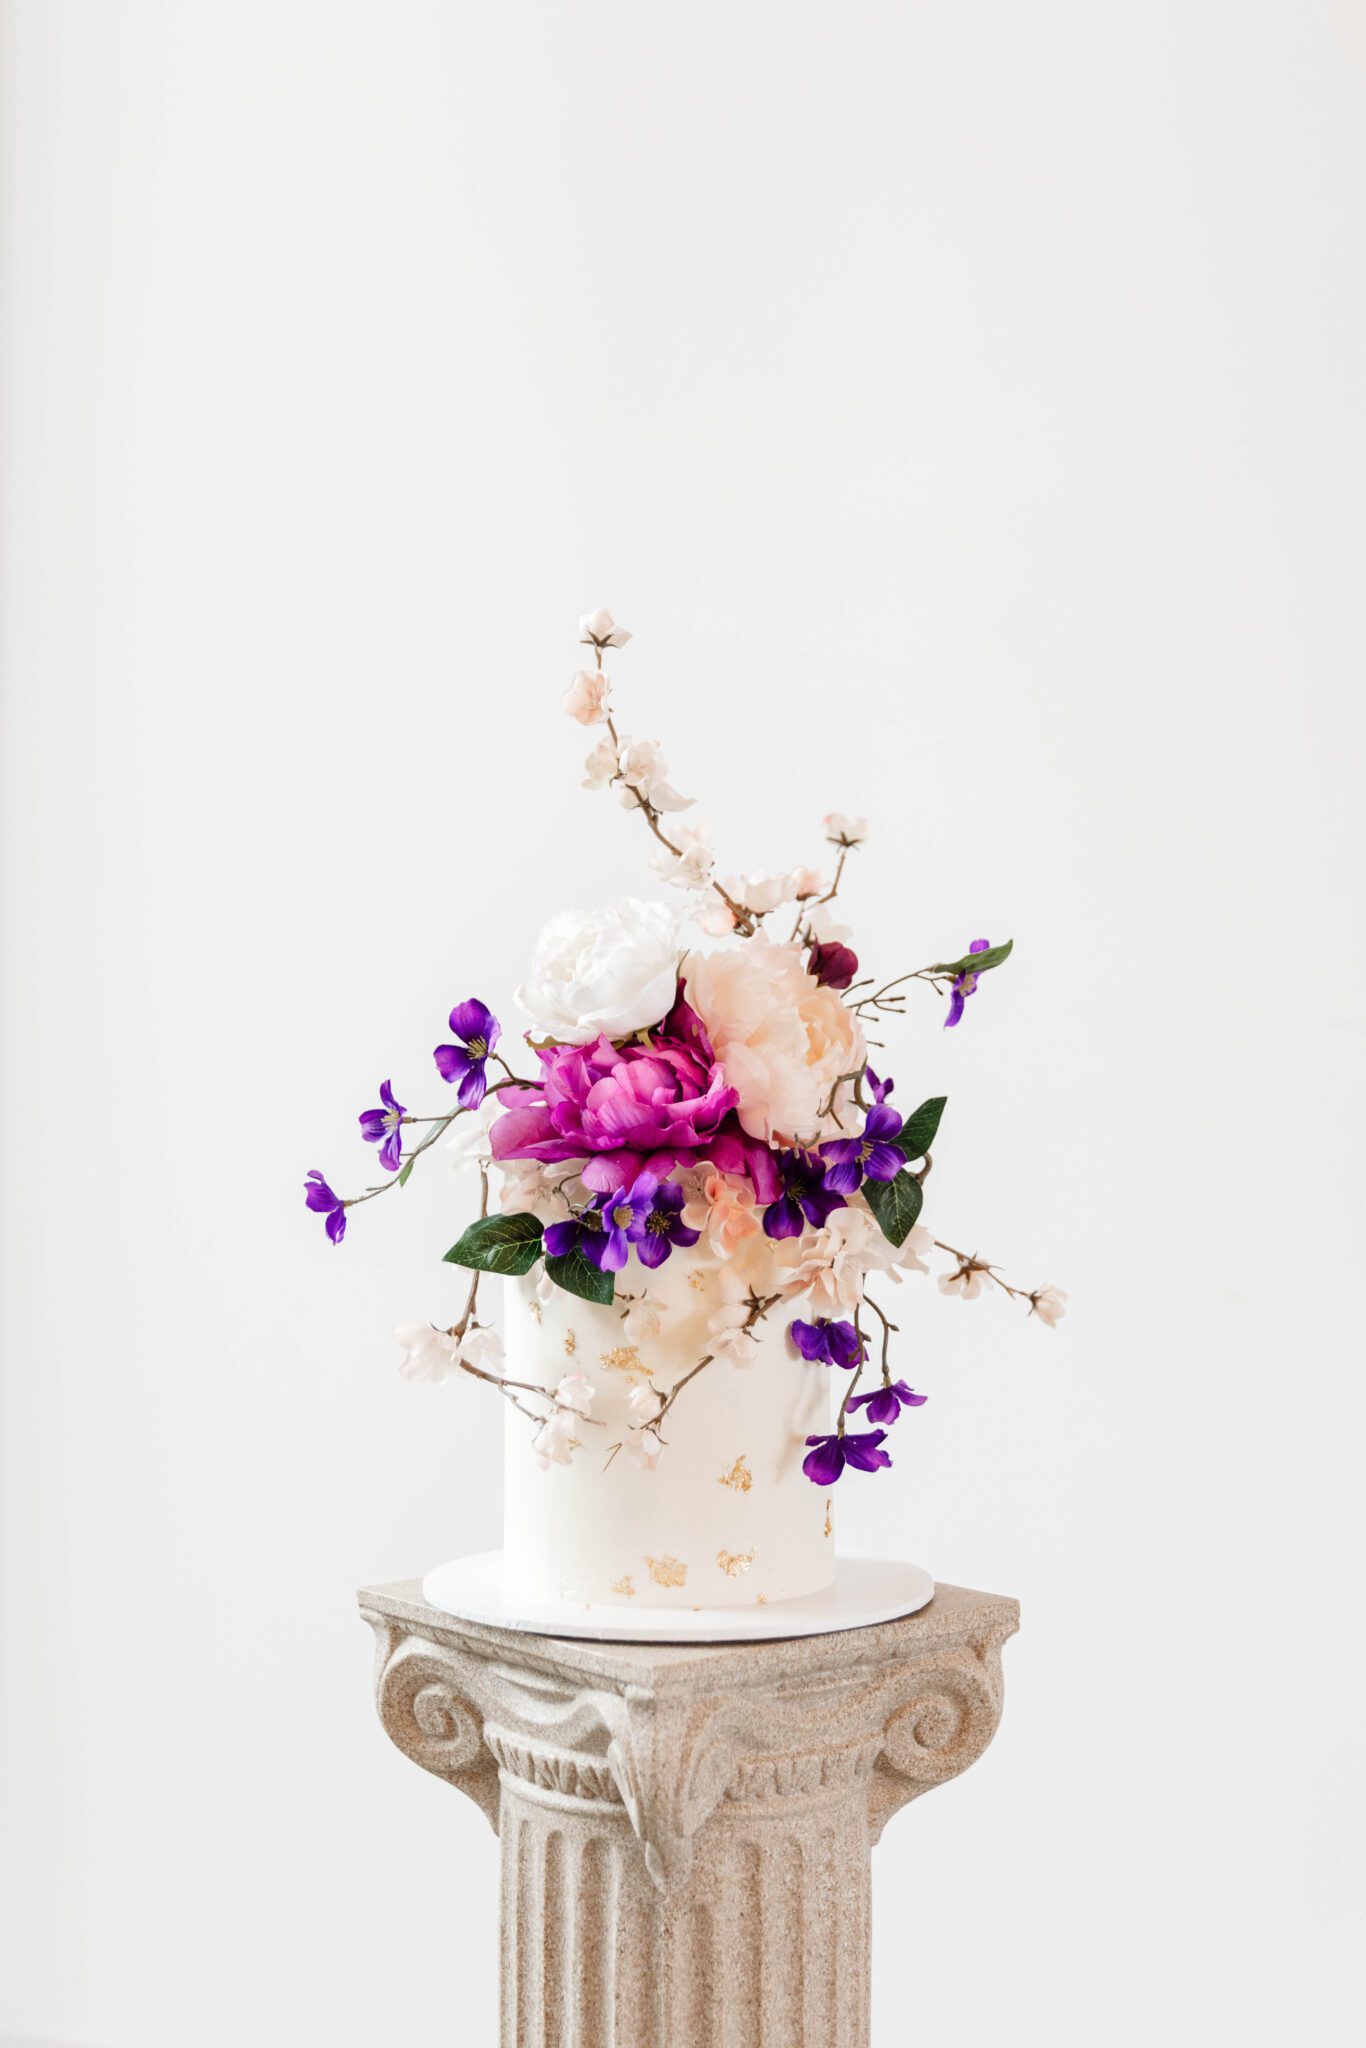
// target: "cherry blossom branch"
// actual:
[[440, 1125], [969, 1263], [758, 1309], [745, 922]]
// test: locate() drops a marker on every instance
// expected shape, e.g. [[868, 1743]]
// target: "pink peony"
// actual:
[[659, 1104], [783, 1040]]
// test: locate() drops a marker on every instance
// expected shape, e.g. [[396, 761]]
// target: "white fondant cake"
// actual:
[[727, 1517]]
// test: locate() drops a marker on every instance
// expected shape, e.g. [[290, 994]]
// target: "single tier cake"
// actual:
[[727, 1518]]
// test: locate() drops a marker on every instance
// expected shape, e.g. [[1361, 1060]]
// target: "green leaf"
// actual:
[[404, 1171], [499, 1244], [916, 1135], [976, 963], [895, 1203], [576, 1276]]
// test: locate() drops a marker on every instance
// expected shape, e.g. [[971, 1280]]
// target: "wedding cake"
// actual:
[[724, 1516], [698, 1194]]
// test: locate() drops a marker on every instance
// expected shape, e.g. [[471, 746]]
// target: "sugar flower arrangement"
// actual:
[[679, 1101]]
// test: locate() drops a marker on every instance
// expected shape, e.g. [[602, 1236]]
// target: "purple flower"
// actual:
[[625, 1218], [475, 1024], [850, 1159], [887, 1403], [664, 1226], [805, 1196], [582, 1233], [879, 1090], [963, 986], [827, 1343], [823, 1464], [384, 1127], [834, 966], [320, 1198]]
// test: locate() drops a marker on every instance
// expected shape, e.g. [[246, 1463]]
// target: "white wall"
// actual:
[[964, 406]]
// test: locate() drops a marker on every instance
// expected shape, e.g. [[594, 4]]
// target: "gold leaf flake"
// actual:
[[667, 1571], [697, 1281], [625, 1358], [829, 1521], [536, 1312], [761, 1600], [734, 1562], [739, 1477], [623, 1585], [571, 1343]]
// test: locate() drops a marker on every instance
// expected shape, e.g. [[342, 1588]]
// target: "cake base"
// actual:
[[866, 1590]]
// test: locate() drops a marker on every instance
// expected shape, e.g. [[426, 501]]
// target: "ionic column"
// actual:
[[686, 1832]]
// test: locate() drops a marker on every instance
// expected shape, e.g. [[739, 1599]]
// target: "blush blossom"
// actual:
[[786, 1044], [586, 697], [661, 1104]]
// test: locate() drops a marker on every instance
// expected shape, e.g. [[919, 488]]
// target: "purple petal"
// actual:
[[684, 1238], [652, 1250], [844, 1178], [391, 1151], [388, 1098], [783, 1218], [474, 1019], [824, 1464], [907, 1396], [846, 1348], [955, 1008], [884, 1162], [373, 1123], [318, 1194], [865, 1452], [616, 1249], [473, 1088], [811, 1340], [452, 1062], [882, 1121], [336, 1224], [561, 1238], [979, 945]]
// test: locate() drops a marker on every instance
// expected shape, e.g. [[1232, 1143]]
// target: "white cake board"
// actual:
[[866, 1590]]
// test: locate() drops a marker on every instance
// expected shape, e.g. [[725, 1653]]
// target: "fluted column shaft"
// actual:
[[687, 1832]]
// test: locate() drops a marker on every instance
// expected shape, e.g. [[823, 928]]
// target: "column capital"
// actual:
[[675, 1734]]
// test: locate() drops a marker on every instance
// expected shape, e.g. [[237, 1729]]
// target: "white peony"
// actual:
[[608, 972]]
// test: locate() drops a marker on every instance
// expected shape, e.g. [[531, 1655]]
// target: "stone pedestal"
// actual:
[[687, 1830]]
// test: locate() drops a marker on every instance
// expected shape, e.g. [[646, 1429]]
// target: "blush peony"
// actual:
[[783, 1040]]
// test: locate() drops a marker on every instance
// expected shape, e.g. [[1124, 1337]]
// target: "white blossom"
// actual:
[[691, 866], [842, 831], [431, 1354], [645, 1404], [969, 1281], [469, 1144], [599, 629], [645, 776], [575, 1392], [726, 1326], [601, 765], [1049, 1305], [555, 1442], [643, 1318], [643, 1448]]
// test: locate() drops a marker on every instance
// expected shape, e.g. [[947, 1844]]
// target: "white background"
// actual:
[[963, 404]]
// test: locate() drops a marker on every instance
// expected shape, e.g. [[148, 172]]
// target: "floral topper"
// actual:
[[681, 1097]]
